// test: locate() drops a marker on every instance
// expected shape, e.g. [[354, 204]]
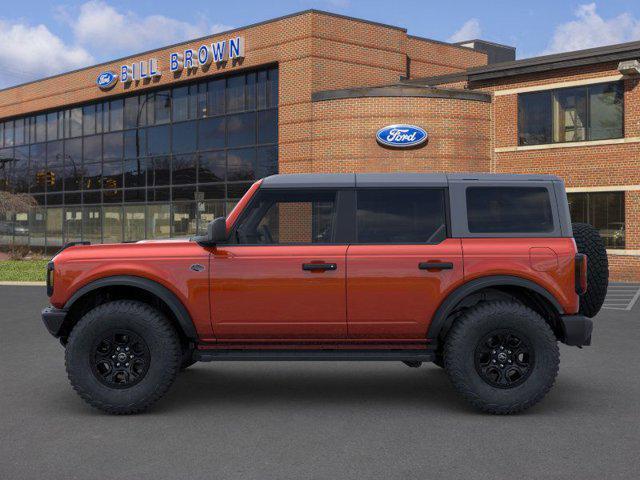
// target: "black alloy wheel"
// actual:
[[120, 359], [504, 358]]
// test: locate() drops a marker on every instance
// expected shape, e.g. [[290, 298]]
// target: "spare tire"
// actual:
[[589, 242]]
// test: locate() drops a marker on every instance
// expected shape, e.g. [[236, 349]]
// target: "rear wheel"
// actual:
[[122, 356], [589, 242], [502, 357]]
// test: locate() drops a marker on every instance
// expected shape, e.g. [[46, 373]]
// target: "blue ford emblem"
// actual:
[[106, 80], [401, 136]]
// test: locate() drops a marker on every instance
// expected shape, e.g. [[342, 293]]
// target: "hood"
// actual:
[[106, 252]]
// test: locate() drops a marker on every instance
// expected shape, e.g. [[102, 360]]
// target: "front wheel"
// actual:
[[502, 357], [122, 356]]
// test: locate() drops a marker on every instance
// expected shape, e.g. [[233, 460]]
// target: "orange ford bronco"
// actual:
[[481, 274]]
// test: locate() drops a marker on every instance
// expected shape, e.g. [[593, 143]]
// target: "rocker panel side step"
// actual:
[[315, 355]]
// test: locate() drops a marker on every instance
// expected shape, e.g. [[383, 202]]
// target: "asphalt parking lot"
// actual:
[[316, 420]]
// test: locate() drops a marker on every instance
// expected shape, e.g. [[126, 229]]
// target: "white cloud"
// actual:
[[99, 32], [108, 31], [469, 31], [29, 52], [591, 30]]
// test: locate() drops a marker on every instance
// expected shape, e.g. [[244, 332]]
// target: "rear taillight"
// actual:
[[50, 278], [581, 273]]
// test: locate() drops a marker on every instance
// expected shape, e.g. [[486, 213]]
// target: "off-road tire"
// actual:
[[460, 356], [147, 323], [589, 242]]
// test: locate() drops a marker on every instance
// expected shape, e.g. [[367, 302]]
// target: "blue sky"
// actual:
[[43, 37]]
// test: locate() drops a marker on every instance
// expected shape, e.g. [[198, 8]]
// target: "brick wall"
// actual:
[[612, 164], [344, 135], [429, 58]]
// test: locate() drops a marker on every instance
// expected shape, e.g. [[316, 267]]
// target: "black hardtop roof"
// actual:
[[346, 180]]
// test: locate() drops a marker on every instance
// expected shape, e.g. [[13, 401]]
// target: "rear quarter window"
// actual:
[[509, 210]]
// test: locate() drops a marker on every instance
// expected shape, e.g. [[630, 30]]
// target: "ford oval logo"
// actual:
[[401, 136], [106, 80]]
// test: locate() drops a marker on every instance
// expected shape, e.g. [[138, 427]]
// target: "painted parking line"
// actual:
[[622, 296]]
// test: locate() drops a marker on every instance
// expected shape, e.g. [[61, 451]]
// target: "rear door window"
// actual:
[[411, 216], [509, 210]]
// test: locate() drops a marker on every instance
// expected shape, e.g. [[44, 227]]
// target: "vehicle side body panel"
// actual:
[[547, 262], [389, 296], [167, 263], [263, 292]]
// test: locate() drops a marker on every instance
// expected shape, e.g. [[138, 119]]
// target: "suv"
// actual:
[[480, 274]]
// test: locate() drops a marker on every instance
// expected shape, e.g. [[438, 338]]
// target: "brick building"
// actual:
[[157, 144]]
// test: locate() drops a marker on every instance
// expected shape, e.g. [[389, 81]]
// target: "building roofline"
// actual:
[[496, 44], [435, 79], [400, 90], [440, 42], [555, 61], [226, 32]]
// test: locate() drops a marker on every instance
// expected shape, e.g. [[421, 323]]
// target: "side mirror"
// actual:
[[216, 233], [217, 230]]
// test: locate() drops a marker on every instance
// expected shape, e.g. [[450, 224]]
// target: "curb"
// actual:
[[24, 284]]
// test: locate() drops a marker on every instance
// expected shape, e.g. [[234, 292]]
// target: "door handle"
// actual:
[[435, 266], [319, 267]]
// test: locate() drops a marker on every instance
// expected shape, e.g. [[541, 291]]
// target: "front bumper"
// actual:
[[576, 330], [53, 319]]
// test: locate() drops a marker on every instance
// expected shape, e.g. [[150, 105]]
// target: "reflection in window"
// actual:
[[184, 219], [73, 224], [112, 146], [158, 221], [603, 210], [241, 130], [211, 133], [592, 112], [184, 169], [116, 118], [134, 223], [158, 140], [284, 217], [72, 159], [112, 229], [184, 137], [92, 224], [241, 164]]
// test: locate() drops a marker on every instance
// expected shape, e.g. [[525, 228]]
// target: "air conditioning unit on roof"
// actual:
[[629, 67]]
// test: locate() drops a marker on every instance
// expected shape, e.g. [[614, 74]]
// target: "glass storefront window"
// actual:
[[184, 219], [158, 221], [92, 224], [73, 224], [54, 227], [112, 227], [37, 227], [134, 223], [102, 168]]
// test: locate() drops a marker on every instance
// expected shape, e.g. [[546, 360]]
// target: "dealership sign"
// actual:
[[106, 80], [189, 59], [401, 136]]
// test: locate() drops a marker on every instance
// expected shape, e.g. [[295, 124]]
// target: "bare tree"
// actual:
[[15, 202]]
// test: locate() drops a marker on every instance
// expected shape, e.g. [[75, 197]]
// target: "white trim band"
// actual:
[[550, 86], [588, 143], [624, 253], [612, 188]]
